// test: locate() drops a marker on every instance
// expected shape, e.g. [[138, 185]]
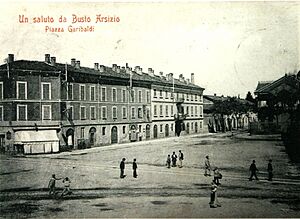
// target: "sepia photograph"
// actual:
[[156, 109]]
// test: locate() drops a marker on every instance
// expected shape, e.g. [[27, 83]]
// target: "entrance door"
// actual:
[[148, 131], [167, 130], [92, 135], [114, 135], [155, 131]]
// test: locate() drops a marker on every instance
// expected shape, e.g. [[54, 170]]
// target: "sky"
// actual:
[[229, 46]]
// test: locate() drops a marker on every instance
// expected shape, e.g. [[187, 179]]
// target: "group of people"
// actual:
[[122, 168], [173, 158], [253, 171], [52, 189]]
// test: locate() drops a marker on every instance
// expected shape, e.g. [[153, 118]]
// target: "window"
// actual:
[[82, 92], [148, 113], [187, 97], [154, 93], [21, 90], [123, 96], [155, 110], [172, 127], [192, 97], [82, 112], [70, 113], [46, 112], [192, 111], [161, 128], [140, 96], [160, 94], [201, 111], [200, 124], [161, 111], [82, 132], [124, 129], [1, 113], [133, 113], [103, 130], [114, 95], [192, 125], [114, 112], [132, 93], [148, 97], [167, 95], [167, 111], [46, 91], [187, 110], [70, 91], [172, 110], [1, 90], [103, 94], [21, 112], [201, 99], [196, 97], [104, 113], [93, 112], [172, 95], [92, 93], [140, 113], [124, 114], [196, 111], [140, 128]]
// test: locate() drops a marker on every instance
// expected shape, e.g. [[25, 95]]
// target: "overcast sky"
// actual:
[[230, 46]]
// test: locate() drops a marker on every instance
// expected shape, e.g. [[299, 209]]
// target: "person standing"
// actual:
[[217, 176], [180, 157], [253, 170], [207, 166], [174, 159], [270, 170], [122, 168], [134, 167], [51, 184], [169, 161], [213, 195]]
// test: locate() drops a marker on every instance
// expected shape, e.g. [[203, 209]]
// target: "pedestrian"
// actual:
[[217, 175], [180, 157], [51, 184], [67, 184], [253, 171], [134, 167], [174, 159], [168, 161], [214, 203], [207, 166], [270, 170], [122, 168]]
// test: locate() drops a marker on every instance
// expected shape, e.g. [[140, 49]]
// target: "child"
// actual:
[[67, 183], [169, 161], [51, 184]]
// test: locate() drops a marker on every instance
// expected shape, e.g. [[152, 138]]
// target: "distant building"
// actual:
[[46, 106]]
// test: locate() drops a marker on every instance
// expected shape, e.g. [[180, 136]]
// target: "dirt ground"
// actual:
[[158, 191]]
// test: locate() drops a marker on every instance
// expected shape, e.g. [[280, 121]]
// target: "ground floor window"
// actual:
[[124, 129], [103, 130]]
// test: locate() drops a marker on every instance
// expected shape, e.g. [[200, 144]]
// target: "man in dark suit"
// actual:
[[122, 167]]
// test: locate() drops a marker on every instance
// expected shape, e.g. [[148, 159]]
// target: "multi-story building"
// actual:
[[47, 105]]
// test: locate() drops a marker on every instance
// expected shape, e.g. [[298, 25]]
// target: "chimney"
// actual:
[[215, 95], [47, 58], [73, 61], [10, 58], [77, 64], [102, 68], [114, 67], [96, 66], [192, 78], [53, 61], [161, 74], [170, 76], [127, 65], [118, 69]]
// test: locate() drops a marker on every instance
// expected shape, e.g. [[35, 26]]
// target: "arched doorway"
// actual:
[[70, 137], [196, 127], [114, 135], [92, 138], [188, 128], [167, 130], [148, 131], [155, 131]]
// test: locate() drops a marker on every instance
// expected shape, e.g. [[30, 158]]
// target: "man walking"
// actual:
[[207, 166], [174, 159], [122, 167], [180, 156], [134, 167], [168, 161], [270, 170], [253, 171]]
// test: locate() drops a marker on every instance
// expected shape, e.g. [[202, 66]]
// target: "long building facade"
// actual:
[[46, 106]]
